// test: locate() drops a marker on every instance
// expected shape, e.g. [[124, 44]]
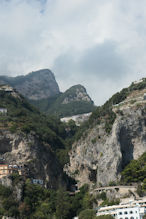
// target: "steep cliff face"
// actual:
[[75, 93], [29, 139], [35, 157], [36, 85], [98, 158]]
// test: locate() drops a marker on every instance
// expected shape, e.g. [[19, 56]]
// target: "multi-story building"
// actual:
[[6, 170], [131, 210]]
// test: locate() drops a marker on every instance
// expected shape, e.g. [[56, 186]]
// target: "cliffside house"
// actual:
[[6, 88], [38, 181], [3, 110], [6, 169]]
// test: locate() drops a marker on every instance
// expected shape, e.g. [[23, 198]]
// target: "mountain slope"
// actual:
[[36, 85], [72, 102], [113, 136], [30, 139], [42, 90]]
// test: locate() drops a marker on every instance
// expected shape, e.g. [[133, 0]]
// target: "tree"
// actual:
[[87, 214], [105, 217], [63, 205]]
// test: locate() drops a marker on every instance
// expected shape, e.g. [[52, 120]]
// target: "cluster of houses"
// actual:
[[133, 209], [8, 169], [7, 89]]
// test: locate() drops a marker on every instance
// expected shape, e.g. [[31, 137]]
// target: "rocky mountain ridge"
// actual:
[[73, 101], [35, 85], [41, 89], [99, 156], [75, 93]]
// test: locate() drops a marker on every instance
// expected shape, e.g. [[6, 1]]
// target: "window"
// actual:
[[126, 217], [131, 217], [125, 212], [131, 212], [120, 213]]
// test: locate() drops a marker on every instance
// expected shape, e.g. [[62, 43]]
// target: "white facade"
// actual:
[[131, 210], [129, 213], [37, 181], [3, 110]]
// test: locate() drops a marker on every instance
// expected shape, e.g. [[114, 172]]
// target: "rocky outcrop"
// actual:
[[36, 85], [98, 158], [75, 93], [73, 101], [35, 157]]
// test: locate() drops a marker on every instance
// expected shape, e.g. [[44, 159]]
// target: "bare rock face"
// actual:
[[36, 158], [76, 93], [98, 158], [36, 85]]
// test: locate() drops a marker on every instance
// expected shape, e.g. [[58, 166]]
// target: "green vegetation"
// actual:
[[9, 205], [72, 108], [23, 117], [104, 113], [40, 203], [135, 171], [106, 201], [87, 214], [55, 105], [44, 104]]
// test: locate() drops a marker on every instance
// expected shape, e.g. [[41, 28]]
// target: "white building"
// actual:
[[3, 111], [37, 181], [131, 210]]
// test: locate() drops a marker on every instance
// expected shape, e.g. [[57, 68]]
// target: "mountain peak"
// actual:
[[35, 85], [76, 93], [41, 72]]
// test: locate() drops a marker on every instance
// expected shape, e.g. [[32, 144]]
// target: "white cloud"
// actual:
[[90, 42]]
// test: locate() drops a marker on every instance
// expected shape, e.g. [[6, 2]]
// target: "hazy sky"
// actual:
[[100, 44]]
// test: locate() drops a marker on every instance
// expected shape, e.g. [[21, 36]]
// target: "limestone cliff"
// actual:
[[35, 157], [75, 93], [35, 85], [98, 157], [29, 139]]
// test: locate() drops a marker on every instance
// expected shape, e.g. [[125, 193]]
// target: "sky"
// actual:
[[100, 44]]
